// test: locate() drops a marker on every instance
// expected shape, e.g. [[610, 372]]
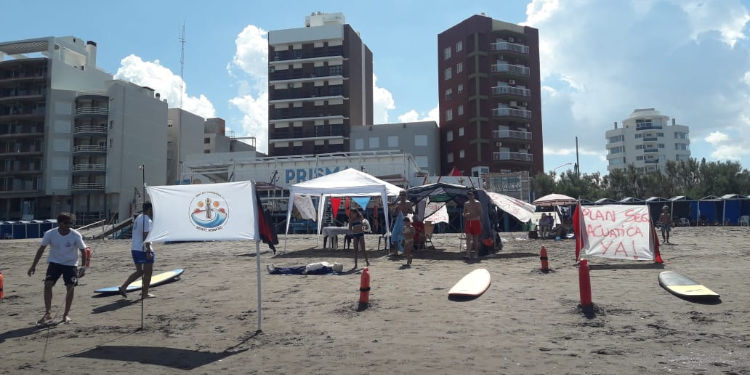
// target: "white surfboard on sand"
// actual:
[[472, 285]]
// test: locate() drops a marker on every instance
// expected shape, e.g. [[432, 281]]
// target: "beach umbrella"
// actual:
[[555, 200]]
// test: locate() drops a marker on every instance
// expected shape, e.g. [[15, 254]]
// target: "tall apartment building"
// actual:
[[647, 140], [71, 138], [490, 97], [319, 86]]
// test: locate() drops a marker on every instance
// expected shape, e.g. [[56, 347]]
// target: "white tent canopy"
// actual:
[[349, 182]]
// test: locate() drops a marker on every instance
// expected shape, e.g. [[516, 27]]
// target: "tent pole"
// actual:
[[257, 262]]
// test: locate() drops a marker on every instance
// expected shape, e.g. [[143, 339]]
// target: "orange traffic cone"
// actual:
[[543, 257], [88, 257], [584, 284], [1, 284], [364, 289]]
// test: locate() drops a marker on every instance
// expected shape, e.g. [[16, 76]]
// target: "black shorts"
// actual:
[[69, 274]]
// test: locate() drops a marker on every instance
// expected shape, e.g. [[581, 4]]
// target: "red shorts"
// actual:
[[474, 227]]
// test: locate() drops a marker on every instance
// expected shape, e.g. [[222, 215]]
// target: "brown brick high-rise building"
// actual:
[[490, 97], [319, 85]]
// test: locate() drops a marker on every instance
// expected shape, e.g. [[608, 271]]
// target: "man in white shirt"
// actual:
[[143, 254], [63, 261]]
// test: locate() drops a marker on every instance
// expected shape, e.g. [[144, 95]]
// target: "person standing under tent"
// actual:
[[472, 214], [665, 221], [62, 261], [142, 252], [404, 207], [358, 235]]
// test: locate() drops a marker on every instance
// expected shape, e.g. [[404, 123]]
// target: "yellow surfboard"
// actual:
[[138, 284], [683, 286]]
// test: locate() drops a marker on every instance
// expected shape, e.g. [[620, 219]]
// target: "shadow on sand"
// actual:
[[183, 359]]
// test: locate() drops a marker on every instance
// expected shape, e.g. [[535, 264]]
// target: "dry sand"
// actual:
[[526, 323]]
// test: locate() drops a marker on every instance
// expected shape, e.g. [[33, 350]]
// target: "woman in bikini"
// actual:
[[358, 235]]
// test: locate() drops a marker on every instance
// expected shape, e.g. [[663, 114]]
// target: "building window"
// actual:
[[374, 142], [459, 68], [460, 110], [206, 151], [447, 53], [461, 131], [637, 147], [639, 158], [461, 154], [449, 136], [359, 144], [206, 140], [420, 140], [392, 141], [460, 89], [459, 46], [449, 157], [448, 73], [422, 161], [448, 94], [449, 115], [661, 145], [618, 138]]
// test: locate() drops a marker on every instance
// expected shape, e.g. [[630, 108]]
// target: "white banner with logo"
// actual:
[[617, 231], [305, 207], [206, 212]]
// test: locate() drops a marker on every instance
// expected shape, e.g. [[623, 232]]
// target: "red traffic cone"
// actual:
[[364, 289], [543, 257], [584, 284], [1, 284], [88, 257]]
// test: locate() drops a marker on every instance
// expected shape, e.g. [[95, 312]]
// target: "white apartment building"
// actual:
[[647, 140], [420, 139], [72, 138]]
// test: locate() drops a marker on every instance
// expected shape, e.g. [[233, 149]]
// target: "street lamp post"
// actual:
[[560, 166]]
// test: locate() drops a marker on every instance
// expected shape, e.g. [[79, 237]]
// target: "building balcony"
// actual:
[[650, 150], [320, 131], [22, 134], [90, 130], [20, 152], [512, 134], [24, 77], [305, 99], [511, 112], [90, 149], [650, 139], [87, 187], [85, 167], [20, 114], [510, 90], [651, 161], [18, 171], [85, 110], [512, 156], [510, 68], [509, 47], [309, 77], [296, 55], [8, 95]]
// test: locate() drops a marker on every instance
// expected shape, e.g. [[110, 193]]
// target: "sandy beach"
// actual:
[[527, 322]]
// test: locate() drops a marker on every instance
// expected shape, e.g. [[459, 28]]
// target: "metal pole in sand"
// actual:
[[143, 232], [257, 261]]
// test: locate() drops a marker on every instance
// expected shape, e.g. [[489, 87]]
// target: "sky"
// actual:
[[599, 60]]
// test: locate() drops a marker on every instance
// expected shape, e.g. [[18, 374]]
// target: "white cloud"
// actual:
[[715, 138], [250, 66], [169, 85], [687, 59], [413, 116], [382, 102]]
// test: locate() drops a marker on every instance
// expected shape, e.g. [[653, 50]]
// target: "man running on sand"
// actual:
[[63, 261]]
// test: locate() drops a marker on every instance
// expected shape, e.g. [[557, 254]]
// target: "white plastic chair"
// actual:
[[744, 220]]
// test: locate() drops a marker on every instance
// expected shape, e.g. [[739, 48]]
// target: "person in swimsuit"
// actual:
[[472, 214], [358, 235], [409, 233]]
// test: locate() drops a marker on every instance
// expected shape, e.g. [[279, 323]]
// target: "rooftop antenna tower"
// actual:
[[182, 90]]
